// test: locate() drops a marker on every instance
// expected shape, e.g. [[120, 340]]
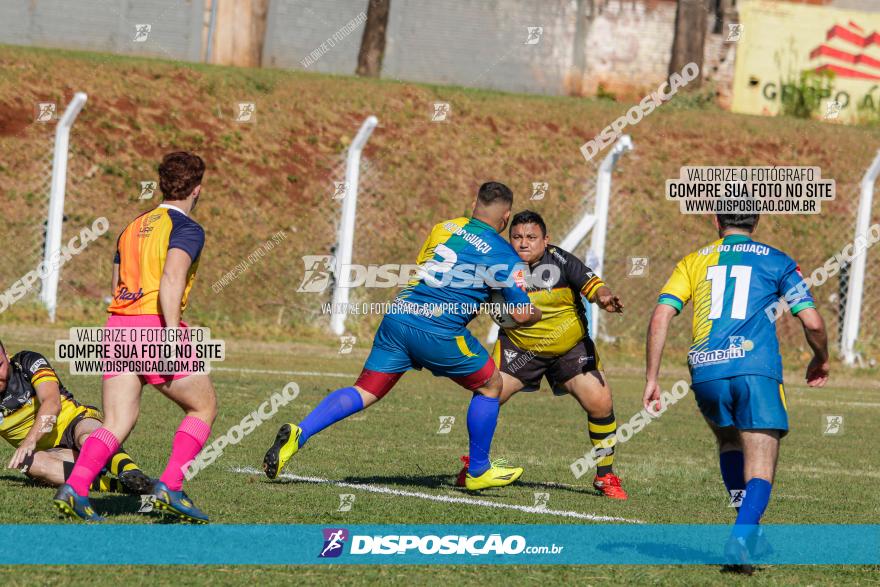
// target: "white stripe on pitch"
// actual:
[[442, 498], [303, 373]]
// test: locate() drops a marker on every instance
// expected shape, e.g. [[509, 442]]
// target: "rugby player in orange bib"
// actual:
[[156, 260]]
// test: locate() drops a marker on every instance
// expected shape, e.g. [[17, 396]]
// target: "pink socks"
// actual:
[[96, 450], [188, 441]]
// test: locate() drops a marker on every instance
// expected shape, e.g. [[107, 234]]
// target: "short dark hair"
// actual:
[[179, 173], [742, 221], [528, 217], [493, 191]]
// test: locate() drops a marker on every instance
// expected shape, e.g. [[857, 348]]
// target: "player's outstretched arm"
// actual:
[[50, 406], [817, 338], [656, 340], [526, 314], [606, 300], [172, 285]]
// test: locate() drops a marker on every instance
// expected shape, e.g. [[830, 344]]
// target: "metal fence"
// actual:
[[665, 236]]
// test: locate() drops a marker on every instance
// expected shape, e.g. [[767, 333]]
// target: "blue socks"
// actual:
[[752, 508], [340, 404], [482, 417], [733, 470], [755, 502]]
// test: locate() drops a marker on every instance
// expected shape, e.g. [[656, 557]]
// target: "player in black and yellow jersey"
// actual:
[[559, 346], [47, 426]]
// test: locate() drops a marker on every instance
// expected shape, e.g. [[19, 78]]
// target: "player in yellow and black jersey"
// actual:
[[559, 346], [47, 426]]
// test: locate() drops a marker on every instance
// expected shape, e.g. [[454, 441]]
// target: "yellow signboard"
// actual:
[[792, 56]]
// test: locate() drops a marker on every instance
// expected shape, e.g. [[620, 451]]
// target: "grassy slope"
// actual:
[[277, 174]]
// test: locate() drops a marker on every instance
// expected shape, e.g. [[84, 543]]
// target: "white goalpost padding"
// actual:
[[51, 266], [597, 221], [853, 312], [345, 238]]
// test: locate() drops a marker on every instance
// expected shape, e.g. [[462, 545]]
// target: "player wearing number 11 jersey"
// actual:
[[736, 368]]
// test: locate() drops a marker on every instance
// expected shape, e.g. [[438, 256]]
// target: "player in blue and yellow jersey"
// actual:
[[461, 260], [734, 360], [156, 259]]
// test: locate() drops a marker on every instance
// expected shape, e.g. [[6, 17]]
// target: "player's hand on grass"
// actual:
[[817, 372], [24, 451], [651, 397], [608, 301]]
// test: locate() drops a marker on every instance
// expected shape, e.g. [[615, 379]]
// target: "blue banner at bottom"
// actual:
[[440, 544]]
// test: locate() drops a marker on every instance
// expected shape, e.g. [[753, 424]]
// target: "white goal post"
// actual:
[[597, 221], [51, 267], [345, 238], [853, 312]]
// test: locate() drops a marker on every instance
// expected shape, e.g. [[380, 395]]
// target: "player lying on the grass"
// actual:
[[735, 365], [47, 426], [428, 329], [559, 347], [156, 256]]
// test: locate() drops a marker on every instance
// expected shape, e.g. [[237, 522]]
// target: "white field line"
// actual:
[[303, 373], [816, 403], [826, 472], [442, 498]]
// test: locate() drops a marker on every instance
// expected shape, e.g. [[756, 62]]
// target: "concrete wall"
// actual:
[[624, 45], [482, 43], [628, 45], [98, 25], [296, 28]]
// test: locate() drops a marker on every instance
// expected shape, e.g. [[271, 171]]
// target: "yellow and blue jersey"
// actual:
[[731, 282], [141, 252], [460, 262]]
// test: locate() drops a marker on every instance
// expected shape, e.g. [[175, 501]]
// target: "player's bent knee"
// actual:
[[38, 467], [120, 429], [728, 439], [85, 427], [368, 397], [506, 395], [492, 388], [485, 381], [210, 408], [488, 392], [766, 471]]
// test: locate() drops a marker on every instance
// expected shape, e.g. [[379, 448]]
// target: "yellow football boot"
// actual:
[[286, 445], [496, 476]]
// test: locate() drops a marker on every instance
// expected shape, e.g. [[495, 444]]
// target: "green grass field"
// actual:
[[278, 174], [669, 469]]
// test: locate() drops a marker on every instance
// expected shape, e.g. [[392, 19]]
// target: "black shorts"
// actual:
[[530, 368], [68, 437]]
